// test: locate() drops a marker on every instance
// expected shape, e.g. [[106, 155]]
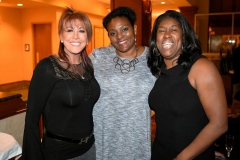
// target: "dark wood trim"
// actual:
[[13, 86], [11, 104]]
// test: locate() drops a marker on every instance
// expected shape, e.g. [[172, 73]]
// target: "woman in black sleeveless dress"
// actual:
[[188, 97]]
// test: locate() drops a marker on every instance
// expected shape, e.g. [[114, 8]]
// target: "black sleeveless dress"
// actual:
[[178, 112]]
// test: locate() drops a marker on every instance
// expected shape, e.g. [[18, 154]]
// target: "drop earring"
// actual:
[[61, 41]]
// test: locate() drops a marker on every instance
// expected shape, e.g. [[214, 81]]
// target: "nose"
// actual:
[[119, 35], [167, 34], [75, 35]]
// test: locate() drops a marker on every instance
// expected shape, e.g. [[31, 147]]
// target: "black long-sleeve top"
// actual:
[[66, 101]]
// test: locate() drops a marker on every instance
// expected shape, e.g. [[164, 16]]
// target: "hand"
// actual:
[[219, 154], [235, 115]]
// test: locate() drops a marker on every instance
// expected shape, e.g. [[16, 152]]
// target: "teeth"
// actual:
[[122, 42], [167, 44], [75, 44]]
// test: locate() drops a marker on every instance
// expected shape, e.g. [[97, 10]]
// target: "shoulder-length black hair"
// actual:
[[70, 15], [190, 46]]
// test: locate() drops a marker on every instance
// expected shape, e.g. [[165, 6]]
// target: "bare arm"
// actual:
[[205, 78]]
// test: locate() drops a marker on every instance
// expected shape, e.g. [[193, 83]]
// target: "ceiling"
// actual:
[[157, 7]]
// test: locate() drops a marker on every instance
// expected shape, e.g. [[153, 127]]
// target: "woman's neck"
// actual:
[[72, 59], [132, 53], [170, 63]]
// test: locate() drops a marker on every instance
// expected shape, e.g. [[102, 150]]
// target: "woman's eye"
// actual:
[[69, 30], [161, 31], [82, 31], [112, 34], [125, 29]]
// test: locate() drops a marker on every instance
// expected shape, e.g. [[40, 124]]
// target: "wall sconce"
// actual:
[[27, 47], [108, 9]]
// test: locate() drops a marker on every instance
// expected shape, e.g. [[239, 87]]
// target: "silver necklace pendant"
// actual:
[[125, 65]]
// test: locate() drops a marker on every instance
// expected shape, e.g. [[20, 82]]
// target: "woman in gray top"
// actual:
[[122, 124]]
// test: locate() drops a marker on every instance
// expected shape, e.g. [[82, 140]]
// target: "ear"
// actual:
[[61, 39], [135, 29]]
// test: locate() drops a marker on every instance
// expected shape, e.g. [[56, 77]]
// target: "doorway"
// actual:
[[42, 41]]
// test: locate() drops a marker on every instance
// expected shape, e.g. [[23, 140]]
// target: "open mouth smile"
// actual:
[[75, 44], [122, 42], [167, 45]]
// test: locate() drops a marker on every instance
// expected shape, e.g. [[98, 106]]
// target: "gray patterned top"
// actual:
[[121, 116]]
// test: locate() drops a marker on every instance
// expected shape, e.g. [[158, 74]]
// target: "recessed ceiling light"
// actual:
[[19, 4], [162, 2]]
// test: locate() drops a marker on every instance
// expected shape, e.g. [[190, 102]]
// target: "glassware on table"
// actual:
[[229, 142]]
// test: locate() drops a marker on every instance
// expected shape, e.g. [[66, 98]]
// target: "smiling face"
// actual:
[[169, 39], [121, 34], [74, 37]]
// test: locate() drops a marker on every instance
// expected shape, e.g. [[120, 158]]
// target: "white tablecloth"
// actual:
[[9, 147]]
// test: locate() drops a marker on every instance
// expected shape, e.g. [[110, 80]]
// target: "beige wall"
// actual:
[[16, 30], [11, 49], [36, 16]]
